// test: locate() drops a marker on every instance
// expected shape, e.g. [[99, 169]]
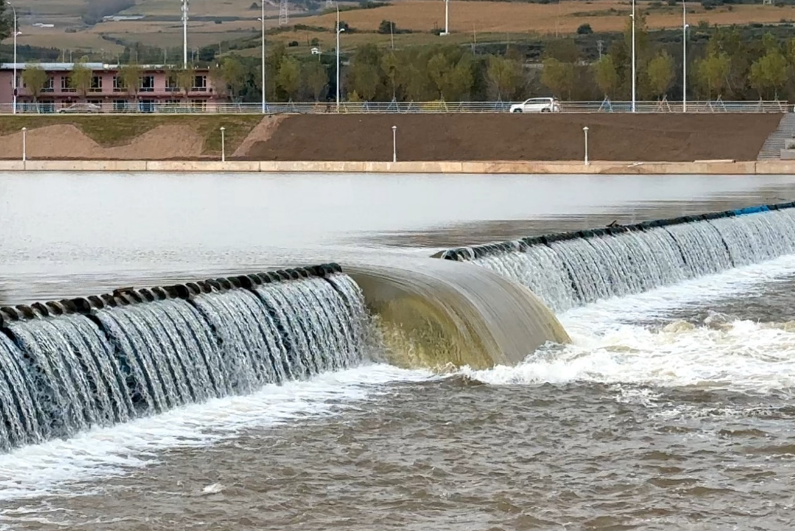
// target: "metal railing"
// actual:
[[432, 107]]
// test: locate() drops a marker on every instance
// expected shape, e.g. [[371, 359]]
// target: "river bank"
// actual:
[[450, 167], [365, 138]]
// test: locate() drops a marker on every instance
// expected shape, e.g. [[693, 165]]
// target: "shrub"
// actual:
[[584, 29]]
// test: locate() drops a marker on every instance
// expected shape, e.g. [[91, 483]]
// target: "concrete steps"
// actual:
[[771, 150]]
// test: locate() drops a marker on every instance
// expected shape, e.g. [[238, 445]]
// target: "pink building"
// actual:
[[107, 89]]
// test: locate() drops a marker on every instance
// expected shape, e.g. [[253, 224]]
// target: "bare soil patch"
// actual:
[[547, 137]]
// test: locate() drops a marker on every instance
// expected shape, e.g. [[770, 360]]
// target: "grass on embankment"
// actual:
[[118, 130]]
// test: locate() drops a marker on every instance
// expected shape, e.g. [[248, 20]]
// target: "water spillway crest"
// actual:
[[573, 269], [75, 364]]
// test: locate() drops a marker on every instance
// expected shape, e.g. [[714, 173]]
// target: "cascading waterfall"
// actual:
[[82, 363], [574, 269]]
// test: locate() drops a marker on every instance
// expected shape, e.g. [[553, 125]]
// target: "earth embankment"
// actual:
[[425, 137], [543, 137]]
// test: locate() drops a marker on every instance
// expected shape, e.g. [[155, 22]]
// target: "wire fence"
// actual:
[[394, 107]]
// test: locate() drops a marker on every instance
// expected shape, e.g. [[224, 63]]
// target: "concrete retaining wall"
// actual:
[[517, 167]]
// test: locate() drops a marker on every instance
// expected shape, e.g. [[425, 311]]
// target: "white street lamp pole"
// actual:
[[684, 56], [184, 34], [394, 143], [262, 2], [223, 145], [16, 89], [339, 30], [446, 17], [585, 130], [633, 56], [24, 144]]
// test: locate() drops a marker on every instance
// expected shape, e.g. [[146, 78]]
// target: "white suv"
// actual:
[[537, 105]]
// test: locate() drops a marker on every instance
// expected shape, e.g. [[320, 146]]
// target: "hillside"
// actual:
[[214, 21]]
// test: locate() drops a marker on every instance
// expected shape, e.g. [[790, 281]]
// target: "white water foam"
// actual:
[[53, 468], [740, 355]]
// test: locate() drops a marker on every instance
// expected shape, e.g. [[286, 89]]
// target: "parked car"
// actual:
[[81, 108], [537, 105]]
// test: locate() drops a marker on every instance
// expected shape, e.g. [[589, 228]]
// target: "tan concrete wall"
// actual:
[[452, 167]]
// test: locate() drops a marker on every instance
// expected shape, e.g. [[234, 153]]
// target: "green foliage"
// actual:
[[559, 77], [34, 78], [185, 78], [712, 72], [606, 75], [80, 77], [316, 78], [505, 76], [769, 73], [660, 74], [386, 27], [233, 75], [130, 75], [584, 29], [6, 21], [289, 76]]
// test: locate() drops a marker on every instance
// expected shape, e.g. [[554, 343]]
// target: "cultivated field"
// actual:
[[470, 21]]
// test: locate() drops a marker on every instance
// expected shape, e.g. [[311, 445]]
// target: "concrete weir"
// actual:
[[572, 269], [435, 313]]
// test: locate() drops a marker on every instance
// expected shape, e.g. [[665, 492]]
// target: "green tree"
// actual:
[[233, 74], [606, 75], [504, 75], [660, 74], [289, 76], [6, 21], [711, 73], [185, 80], [80, 77], [769, 73], [453, 80], [387, 27], [35, 79], [390, 66], [364, 79], [559, 77], [130, 76], [316, 78]]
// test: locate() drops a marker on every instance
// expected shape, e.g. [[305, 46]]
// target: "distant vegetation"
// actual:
[[96, 10]]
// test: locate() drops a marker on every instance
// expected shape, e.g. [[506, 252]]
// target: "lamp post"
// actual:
[[446, 17], [223, 145], [184, 34], [14, 12], [339, 30], [585, 130], [24, 144], [262, 2], [394, 143], [634, 74], [684, 56]]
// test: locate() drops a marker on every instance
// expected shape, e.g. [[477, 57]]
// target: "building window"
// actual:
[[49, 86], [198, 105], [199, 84], [120, 105], [66, 84], [171, 84], [118, 84], [96, 84], [147, 83]]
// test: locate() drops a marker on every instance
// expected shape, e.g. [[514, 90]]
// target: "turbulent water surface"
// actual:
[[671, 409]]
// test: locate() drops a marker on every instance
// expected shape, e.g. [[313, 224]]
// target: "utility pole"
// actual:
[[684, 56], [634, 73], [264, 104], [184, 34]]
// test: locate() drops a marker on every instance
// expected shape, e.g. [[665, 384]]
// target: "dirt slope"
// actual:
[[550, 137]]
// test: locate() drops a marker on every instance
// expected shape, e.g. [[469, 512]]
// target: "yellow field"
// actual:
[[469, 20]]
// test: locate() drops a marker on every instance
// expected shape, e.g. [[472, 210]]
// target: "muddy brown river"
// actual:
[[671, 409]]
